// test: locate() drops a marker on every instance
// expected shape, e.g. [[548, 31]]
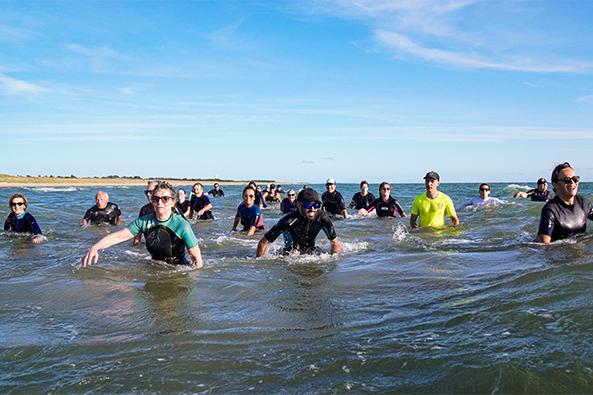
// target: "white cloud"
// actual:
[[585, 99], [452, 33], [12, 86], [228, 38]]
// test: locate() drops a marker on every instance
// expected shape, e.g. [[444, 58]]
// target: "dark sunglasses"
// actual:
[[292, 194], [484, 189], [14, 204], [157, 199], [315, 205], [567, 180]]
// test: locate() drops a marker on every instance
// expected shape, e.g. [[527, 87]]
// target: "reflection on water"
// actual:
[[474, 309]]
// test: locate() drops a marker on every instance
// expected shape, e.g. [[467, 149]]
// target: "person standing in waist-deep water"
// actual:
[[182, 203], [200, 204], [362, 200], [103, 212], [385, 205], [539, 194], [169, 237], [333, 202], [303, 225], [484, 199], [21, 221], [432, 206], [567, 213], [289, 203], [248, 213], [216, 192]]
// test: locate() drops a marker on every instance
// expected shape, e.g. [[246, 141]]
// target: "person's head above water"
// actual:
[[181, 195], [198, 189], [291, 195], [364, 187], [385, 189], [163, 200], [330, 185], [101, 198], [484, 190], [565, 181], [249, 196], [149, 188], [542, 184], [18, 203], [432, 180], [308, 203]]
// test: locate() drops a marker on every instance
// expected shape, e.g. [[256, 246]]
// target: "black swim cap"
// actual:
[[308, 195]]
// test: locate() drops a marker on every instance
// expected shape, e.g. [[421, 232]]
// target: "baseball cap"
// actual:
[[432, 174], [330, 181], [308, 195], [542, 181]]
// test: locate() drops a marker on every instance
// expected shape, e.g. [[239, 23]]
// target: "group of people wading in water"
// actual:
[[169, 237]]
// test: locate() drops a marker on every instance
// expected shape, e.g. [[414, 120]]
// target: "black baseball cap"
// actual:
[[432, 174], [308, 195], [542, 181]]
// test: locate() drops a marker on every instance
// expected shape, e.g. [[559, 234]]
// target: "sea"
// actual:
[[477, 309]]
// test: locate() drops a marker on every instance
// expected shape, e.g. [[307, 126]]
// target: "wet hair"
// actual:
[[216, 184], [164, 185], [484, 184], [181, 190], [248, 188], [558, 169], [382, 185], [252, 183], [18, 195], [363, 182]]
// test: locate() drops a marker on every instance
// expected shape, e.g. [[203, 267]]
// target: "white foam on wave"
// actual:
[[400, 232], [54, 189], [225, 239], [516, 187], [354, 246]]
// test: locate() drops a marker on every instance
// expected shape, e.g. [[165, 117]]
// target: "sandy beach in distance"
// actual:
[[7, 181]]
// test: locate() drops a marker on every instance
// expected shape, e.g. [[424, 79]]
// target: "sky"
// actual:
[[495, 91]]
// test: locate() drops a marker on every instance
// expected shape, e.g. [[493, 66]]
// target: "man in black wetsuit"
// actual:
[[103, 212], [333, 202], [539, 194], [216, 192], [303, 226], [567, 213]]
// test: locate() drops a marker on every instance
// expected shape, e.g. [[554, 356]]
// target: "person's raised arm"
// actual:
[[92, 254]]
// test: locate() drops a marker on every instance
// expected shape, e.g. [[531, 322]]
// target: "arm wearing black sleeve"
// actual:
[[546, 222]]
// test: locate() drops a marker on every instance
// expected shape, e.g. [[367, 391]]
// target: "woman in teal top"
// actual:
[[169, 236]]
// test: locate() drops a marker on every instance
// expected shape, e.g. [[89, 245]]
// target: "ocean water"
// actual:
[[477, 309]]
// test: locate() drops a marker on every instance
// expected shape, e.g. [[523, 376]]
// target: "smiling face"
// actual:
[[17, 205], [330, 187], [566, 188], [249, 197], [542, 186], [163, 202], [101, 199], [198, 190], [484, 191], [309, 210]]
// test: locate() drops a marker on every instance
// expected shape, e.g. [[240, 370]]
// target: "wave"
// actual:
[[511, 188], [53, 189]]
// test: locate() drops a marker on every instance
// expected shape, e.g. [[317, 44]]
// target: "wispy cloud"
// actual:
[[585, 99], [98, 57], [14, 34], [228, 38], [308, 162], [450, 33], [13, 86]]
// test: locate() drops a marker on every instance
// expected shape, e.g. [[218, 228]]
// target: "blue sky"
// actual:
[[297, 91]]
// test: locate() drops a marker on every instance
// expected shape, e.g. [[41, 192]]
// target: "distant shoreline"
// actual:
[[7, 181]]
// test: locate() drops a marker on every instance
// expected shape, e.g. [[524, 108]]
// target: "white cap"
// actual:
[[330, 181]]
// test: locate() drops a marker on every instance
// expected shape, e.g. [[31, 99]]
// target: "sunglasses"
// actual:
[[484, 189], [14, 204], [315, 205], [157, 199], [567, 180], [249, 196], [386, 189], [292, 194]]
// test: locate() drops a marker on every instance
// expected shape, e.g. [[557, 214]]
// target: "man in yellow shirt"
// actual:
[[433, 205]]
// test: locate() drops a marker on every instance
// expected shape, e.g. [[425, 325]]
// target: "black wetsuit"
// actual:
[[359, 201], [182, 207], [386, 209], [538, 196], [216, 193], [198, 203], [259, 199], [559, 220], [333, 203], [287, 207], [146, 209], [302, 231], [107, 215], [25, 224]]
